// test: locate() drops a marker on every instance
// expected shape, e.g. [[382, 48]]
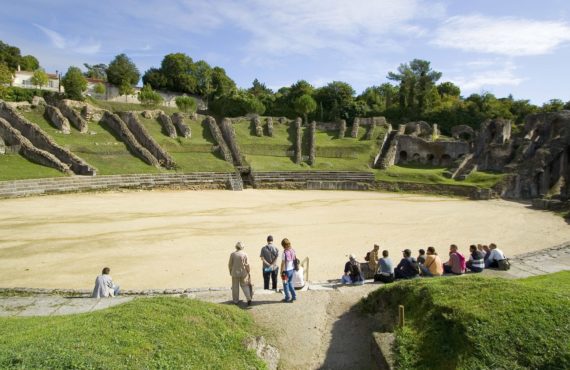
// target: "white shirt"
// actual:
[[104, 287], [288, 264], [496, 255]]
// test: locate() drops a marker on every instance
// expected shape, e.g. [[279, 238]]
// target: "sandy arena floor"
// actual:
[[182, 239]]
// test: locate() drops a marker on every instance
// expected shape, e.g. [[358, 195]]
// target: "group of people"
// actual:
[[291, 273], [428, 263]]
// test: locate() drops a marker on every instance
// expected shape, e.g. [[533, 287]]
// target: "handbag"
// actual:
[[504, 264], [296, 264]]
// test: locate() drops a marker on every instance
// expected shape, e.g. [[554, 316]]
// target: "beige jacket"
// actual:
[[238, 265]]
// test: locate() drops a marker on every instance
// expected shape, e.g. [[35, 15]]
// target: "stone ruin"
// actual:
[[269, 123], [2, 146], [342, 129], [257, 124], [299, 140]]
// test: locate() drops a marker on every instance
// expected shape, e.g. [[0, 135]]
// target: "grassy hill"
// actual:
[[146, 333], [480, 323]]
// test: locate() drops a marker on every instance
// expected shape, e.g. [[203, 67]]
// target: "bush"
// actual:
[[147, 96], [186, 104], [237, 105], [19, 94]]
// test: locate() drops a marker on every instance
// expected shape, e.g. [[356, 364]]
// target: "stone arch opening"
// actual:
[[430, 159], [403, 156], [445, 160], [416, 157]]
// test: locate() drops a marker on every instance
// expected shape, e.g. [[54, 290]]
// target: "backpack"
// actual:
[[354, 269], [462, 262], [504, 265], [367, 258]]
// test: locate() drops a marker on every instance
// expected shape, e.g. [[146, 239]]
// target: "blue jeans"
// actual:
[[288, 286]]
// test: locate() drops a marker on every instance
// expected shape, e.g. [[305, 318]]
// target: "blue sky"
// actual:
[[504, 47]]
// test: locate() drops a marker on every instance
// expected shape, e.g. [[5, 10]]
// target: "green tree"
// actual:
[[147, 96], [10, 56], [126, 89], [449, 89], [304, 105], [186, 104], [74, 83], [335, 100], [155, 78], [29, 63], [96, 71], [99, 89], [40, 78], [6, 76], [222, 85], [177, 68], [122, 71], [553, 105]]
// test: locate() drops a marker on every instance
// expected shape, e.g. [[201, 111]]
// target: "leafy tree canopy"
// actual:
[[74, 83], [40, 78], [6, 76], [122, 71], [96, 71], [186, 104], [11, 57], [147, 96]]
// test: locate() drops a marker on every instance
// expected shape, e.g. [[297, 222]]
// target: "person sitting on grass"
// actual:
[[485, 250], [104, 286], [385, 273], [456, 263], [495, 256], [352, 272], [408, 266], [422, 256], [476, 261], [433, 265]]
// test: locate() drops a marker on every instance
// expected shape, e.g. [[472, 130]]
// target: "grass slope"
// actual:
[[480, 323], [16, 167], [153, 333]]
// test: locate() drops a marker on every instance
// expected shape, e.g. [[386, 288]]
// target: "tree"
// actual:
[[122, 71], [335, 100], [155, 78], [553, 105], [126, 89], [40, 78], [177, 68], [186, 104], [74, 83], [147, 96], [222, 85], [304, 105], [449, 89], [10, 56], [6, 76], [96, 71], [99, 89], [29, 63]]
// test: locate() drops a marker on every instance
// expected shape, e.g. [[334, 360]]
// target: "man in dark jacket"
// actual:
[[408, 266]]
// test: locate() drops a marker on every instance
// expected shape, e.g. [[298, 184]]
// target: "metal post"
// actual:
[[401, 316]]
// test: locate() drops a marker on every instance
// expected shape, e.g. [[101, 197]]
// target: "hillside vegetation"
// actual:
[[480, 323], [146, 333]]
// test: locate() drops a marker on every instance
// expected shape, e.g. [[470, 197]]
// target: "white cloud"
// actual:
[[56, 39], [480, 75], [505, 36], [76, 44]]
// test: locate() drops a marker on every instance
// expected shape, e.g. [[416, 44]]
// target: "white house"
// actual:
[[24, 79]]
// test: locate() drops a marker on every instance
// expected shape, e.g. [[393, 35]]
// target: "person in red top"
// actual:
[[456, 263]]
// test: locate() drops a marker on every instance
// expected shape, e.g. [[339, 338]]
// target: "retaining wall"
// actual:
[[65, 106], [230, 137], [53, 115], [183, 129], [198, 180], [167, 125], [219, 139], [298, 141]]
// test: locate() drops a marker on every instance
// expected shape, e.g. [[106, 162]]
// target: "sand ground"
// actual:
[[182, 239]]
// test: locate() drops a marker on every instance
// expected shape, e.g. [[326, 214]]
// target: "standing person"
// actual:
[[104, 286], [385, 271], [495, 255], [373, 260], [269, 255], [433, 265], [456, 263], [476, 261], [239, 271], [408, 266], [288, 268], [421, 256]]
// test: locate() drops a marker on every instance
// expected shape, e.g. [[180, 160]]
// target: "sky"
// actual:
[[502, 47]]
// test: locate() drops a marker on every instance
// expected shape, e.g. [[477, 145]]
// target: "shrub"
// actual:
[[186, 104]]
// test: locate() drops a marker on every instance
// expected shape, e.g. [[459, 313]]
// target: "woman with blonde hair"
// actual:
[[288, 269]]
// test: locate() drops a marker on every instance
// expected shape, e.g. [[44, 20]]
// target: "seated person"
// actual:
[[495, 255], [352, 272], [408, 266], [385, 271], [476, 261], [298, 279], [433, 265], [104, 286], [422, 256], [372, 259], [456, 263]]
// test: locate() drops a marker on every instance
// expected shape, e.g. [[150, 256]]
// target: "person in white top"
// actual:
[[104, 286], [495, 255]]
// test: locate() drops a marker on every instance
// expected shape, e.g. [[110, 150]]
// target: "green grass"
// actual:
[[117, 106], [16, 167], [480, 322], [434, 175], [153, 333]]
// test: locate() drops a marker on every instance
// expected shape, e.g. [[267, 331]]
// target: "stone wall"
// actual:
[[194, 181], [2, 146], [355, 128], [183, 129], [167, 126], [257, 124], [219, 139], [315, 180], [146, 140], [312, 143], [342, 129], [388, 150], [416, 150], [53, 115], [269, 123], [122, 131], [66, 108], [230, 137], [298, 140], [28, 150], [41, 140]]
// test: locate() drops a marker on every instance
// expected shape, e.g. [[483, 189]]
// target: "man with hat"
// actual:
[[269, 255], [239, 271], [408, 266]]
